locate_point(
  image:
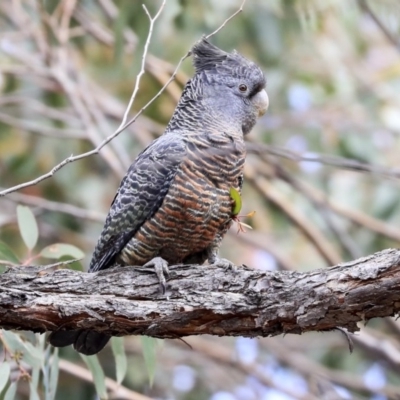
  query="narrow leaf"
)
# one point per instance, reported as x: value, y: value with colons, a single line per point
x: 4, y: 374
x: 117, y: 345
x: 33, y: 394
x: 237, y: 201
x: 7, y: 254
x: 59, y: 250
x: 32, y: 355
x: 98, y: 375
x: 27, y: 226
x: 12, y: 341
x: 11, y: 392
x: 35, y: 377
x: 149, y: 354
x: 51, y: 390
x: 40, y: 340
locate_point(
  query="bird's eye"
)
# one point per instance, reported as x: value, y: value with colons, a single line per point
x: 242, y: 87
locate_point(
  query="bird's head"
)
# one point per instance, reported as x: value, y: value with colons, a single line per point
x: 230, y: 84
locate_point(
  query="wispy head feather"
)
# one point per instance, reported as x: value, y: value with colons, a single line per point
x: 207, y: 57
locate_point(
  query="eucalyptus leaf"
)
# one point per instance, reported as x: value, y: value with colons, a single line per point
x: 59, y: 250
x: 35, y: 373
x: 98, y: 375
x: 237, y: 201
x: 121, y: 364
x: 40, y: 340
x: 7, y: 254
x: 12, y: 341
x: 27, y: 226
x: 4, y: 374
x: 33, y: 394
x: 11, y: 392
x: 54, y: 370
x: 32, y: 355
x: 149, y: 353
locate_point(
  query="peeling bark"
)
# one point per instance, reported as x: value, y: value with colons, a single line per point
x: 202, y: 299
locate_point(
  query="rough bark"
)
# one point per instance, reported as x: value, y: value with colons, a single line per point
x: 202, y: 299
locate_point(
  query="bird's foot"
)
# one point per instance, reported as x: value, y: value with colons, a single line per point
x: 224, y: 263
x: 161, y: 268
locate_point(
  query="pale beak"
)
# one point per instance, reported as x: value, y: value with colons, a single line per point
x: 261, y: 102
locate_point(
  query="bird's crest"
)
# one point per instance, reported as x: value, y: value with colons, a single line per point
x: 207, y: 57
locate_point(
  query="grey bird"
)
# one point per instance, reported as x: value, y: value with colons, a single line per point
x: 174, y: 204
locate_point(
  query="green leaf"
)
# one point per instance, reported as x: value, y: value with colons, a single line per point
x: 33, y: 394
x: 35, y: 377
x: 117, y: 345
x: 27, y: 226
x: 40, y: 340
x: 30, y: 354
x: 51, y: 390
x: 12, y: 341
x: 98, y: 375
x: 76, y: 266
x: 4, y: 374
x: 237, y: 201
x: 149, y: 354
x: 7, y: 254
x: 11, y: 392
x: 59, y: 250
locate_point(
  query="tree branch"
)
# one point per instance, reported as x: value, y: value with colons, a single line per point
x: 202, y: 299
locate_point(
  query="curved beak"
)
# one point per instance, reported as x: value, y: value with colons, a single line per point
x: 261, y: 102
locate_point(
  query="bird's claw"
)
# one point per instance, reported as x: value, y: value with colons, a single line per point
x: 225, y: 264
x: 161, y: 268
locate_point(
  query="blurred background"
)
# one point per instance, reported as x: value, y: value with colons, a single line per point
x: 322, y: 171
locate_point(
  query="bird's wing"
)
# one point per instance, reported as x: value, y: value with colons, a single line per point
x: 139, y: 196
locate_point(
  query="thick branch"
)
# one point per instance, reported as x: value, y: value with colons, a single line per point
x: 202, y: 299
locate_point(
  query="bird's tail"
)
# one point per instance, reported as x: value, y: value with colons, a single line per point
x: 84, y: 341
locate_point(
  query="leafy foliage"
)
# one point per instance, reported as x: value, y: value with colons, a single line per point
x: 149, y: 355
x: 121, y: 363
x: 98, y: 374
x: 36, y: 361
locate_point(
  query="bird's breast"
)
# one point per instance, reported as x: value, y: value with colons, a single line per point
x: 198, y: 206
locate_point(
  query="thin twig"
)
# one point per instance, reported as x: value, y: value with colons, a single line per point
x: 32, y: 104
x: 116, y: 389
x: 380, y: 345
x: 264, y: 243
x: 142, y: 67
x: 365, y: 6
x: 305, y: 365
x: 43, y: 130
x: 334, y: 161
x: 354, y: 216
x: 64, y: 208
x: 222, y: 354
x: 343, y: 237
x: 227, y: 20
x: 65, y: 20
x: 316, y: 237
